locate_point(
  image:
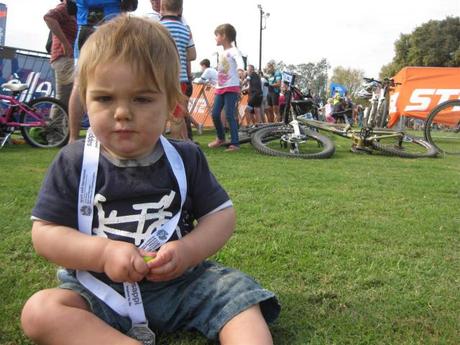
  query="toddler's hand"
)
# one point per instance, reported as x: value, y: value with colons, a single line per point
x: 170, y: 262
x: 123, y: 262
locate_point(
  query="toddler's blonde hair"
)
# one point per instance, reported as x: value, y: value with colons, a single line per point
x: 141, y: 43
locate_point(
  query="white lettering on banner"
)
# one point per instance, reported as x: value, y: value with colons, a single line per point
x: 45, y: 88
x: 421, y: 99
x: 158, y: 214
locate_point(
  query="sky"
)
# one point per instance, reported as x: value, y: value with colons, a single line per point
x: 358, y: 34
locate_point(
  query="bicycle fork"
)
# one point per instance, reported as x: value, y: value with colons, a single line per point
x: 296, y: 135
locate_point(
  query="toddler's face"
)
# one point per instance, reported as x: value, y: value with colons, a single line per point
x: 126, y: 114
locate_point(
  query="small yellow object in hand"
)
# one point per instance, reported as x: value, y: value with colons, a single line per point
x: 148, y: 258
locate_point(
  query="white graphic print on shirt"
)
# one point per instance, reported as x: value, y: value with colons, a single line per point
x: 158, y: 213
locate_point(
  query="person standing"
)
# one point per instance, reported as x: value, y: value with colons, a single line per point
x: 230, y: 67
x: 171, y: 18
x: 264, y: 106
x: 63, y: 27
x: 252, y: 111
x: 274, y: 89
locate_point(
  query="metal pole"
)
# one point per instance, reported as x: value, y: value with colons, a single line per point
x: 260, y: 39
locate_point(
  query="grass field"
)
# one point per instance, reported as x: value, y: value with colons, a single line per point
x: 359, y: 249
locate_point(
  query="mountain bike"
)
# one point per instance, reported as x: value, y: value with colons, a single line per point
x: 369, y: 140
x: 43, y: 122
x: 289, y: 139
x: 442, y: 127
x: 378, y: 94
x: 366, y: 140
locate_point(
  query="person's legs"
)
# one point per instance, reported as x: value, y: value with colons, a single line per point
x: 217, y: 120
x: 276, y: 113
x: 230, y: 99
x: 59, y: 316
x: 63, y: 69
x: 76, y: 112
x: 248, y: 327
x: 269, y: 109
x: 257, y: 115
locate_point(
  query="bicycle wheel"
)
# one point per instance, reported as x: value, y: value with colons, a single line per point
x: 404, y: 146
x: 244, y: 134
x: 51, y: 129
x: 281, y: 141
x: 442, y: 127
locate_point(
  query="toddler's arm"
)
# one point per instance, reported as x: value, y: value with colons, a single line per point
x: 175, y: 257
x: 70, y: 248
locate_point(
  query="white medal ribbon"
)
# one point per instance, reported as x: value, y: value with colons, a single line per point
x: 131, y: 305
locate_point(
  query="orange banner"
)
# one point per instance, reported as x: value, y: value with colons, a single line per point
x: 202, y: 100
x: 421, y: 89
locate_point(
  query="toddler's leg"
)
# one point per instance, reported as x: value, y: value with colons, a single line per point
x: 246, y: 328
x: 58, y: 316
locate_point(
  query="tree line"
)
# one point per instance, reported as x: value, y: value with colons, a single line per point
x: 434, y: 44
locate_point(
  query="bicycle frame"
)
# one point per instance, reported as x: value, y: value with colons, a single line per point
x: 360, y: 138
x: 376, y: 113
x: 15, y: 106
x: 8, y: 120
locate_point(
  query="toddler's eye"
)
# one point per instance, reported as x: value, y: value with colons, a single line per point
x: 142, y: 99
x: 103, y: 99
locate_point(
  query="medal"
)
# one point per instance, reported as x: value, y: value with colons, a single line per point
x: 142, y: 333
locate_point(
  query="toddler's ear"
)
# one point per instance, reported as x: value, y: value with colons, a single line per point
x: 179, y: 110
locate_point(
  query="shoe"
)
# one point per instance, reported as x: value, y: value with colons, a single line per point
x: 216, y: 143
x: 200, y: 129
x: 232, y: 148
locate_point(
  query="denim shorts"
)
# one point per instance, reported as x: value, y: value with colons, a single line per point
x: 204, y: 298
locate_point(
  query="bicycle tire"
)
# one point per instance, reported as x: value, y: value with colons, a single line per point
x: 244, y: 134
x: 406, y: 147
x: 317, y: 146
x: 56, y: 131
x: 445, y: 137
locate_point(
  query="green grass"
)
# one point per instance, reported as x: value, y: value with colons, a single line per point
x: 359, y: 249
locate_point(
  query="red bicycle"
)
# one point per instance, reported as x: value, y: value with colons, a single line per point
x: 43, y: 121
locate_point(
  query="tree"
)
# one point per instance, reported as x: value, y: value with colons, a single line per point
x: 309, y: 76
x: 349, y: 77
x: 435, y: 43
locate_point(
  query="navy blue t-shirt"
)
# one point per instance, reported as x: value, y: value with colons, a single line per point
x: 132, y: 197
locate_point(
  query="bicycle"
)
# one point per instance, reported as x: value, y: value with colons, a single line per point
x: 288, y: 139
x: 442, y: 127
x: 365, y: 140
x: 378, y: 94
x: 43, y: 122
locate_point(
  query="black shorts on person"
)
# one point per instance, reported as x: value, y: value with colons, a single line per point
x: 255, y: 100
x: 273, y: 99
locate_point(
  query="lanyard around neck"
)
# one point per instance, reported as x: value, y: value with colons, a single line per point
x: 131, y: 305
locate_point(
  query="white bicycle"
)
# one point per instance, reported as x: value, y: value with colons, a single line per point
x: 378, y: 93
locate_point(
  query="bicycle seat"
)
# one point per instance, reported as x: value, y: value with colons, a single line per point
x: 15, y: 86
